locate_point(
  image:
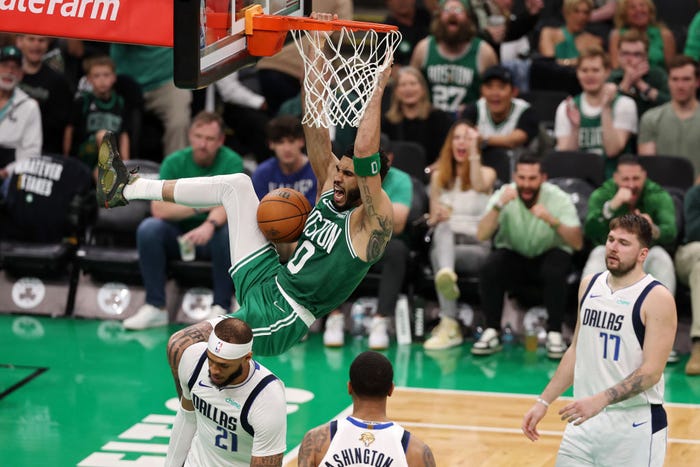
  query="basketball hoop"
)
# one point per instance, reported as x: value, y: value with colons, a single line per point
x: 341, y: 70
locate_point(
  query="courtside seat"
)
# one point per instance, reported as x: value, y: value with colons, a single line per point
x: 575, y: 164
x: 192, y: 295
x: 110, y: 283
x: 49, y: 201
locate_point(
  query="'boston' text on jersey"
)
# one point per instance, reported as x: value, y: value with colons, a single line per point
x: 322, y: 232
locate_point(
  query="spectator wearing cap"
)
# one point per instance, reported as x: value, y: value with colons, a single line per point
x: 20, y: 118
x: 50, y: 88
x: 503, y: 120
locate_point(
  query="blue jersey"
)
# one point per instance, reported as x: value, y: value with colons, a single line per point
x: 268, y: 177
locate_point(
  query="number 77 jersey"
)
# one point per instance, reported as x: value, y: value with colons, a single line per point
x: 611, y: 338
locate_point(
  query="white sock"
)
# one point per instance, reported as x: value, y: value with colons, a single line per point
x: 143, y: 188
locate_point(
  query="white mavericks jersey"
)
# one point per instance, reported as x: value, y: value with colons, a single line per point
x: 358, y: 443
x: 487, y: 127
x: 610, y: 339
x: 233, y: 422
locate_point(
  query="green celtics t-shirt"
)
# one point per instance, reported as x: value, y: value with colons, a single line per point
x: 180, y: 164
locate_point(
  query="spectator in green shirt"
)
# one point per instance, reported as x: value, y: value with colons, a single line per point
x: 535, y: 230
x: 204, y: 228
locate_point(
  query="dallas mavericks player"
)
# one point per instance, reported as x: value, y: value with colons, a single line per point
x: 367, y: 437
x: 230, y: 406
x: 624, y: 334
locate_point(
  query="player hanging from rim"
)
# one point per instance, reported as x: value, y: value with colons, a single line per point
x: 345, y: 234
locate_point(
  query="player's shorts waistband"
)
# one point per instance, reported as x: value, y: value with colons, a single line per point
x: 306, y: 316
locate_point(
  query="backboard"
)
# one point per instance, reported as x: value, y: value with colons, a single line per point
x: 209, y: 39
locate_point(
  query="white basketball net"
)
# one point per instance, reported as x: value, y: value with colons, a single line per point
x: 339, y: 84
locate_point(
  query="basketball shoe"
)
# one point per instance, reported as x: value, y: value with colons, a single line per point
x: 112, y: 174
x: 445, y: 335
x: 334, y: 335
x: 378, y: 334
x: 148, y: 316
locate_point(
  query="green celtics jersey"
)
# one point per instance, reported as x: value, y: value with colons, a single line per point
x: 452, y: 82
x: 325, y: 269
x: 590, y: 137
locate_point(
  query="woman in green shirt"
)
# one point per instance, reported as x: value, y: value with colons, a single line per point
x: 641, y: 15
x: 564, y: 43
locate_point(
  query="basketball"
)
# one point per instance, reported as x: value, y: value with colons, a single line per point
x: 282, y: 214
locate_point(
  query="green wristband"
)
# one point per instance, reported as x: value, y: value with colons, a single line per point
x: 367, y: 166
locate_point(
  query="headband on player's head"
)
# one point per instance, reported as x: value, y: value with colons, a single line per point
x: 226, y: 350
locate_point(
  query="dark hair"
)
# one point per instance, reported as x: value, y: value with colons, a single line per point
x: 529, y: 158
x: 635, y: 224
x: 629, y: 159
x: 383, y: 158
x: 679, y: 61
x: 233, y: 331
x: 284, y: 126
x: 371, y: 375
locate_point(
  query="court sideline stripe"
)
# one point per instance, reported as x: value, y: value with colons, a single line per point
x: 23, y: 381
x: 513, y: 394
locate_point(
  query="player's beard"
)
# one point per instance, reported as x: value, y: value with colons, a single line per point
x: 529, y: 202
x: 231, y: 378
x: 352, y: 199
x: 621, y: 269
x: 462, y: 35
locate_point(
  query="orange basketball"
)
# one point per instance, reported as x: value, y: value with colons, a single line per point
x: 282, y: 214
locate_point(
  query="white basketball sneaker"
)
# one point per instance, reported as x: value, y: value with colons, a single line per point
x: 378, y: 335
x: 148, y: 316
x: 334, y: 335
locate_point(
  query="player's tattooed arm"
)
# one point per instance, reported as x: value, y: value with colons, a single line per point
x: 631, y: 386
x: 313, y: 447
x: 379, y: 224
x: 179, y: 341
x: 379, y: 238
x: 428, y: 459
x: 182, y: 339
x: 267, y: 461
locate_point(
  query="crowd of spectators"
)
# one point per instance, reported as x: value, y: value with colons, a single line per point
x: 632, y: 82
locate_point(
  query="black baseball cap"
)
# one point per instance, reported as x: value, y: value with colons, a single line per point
x: 10, y: 52
x: 497, y: 72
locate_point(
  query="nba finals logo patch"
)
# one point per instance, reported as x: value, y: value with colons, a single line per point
x: 367, y: 438
x: 218, y: 347
x: 28, y: 292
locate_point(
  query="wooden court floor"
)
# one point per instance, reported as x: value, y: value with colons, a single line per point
x: 470, y: 428
x: 88, y: 393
